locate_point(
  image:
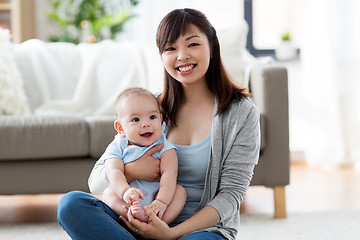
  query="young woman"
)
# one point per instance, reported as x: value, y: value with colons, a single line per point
x: 215, y: 128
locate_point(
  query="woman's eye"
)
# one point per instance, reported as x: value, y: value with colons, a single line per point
x: 152, y: 117
x: 169, y: 49
x: 135, y: 119
x: 194, y: 44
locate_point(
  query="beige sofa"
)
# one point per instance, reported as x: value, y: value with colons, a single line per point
x: 54, y: 153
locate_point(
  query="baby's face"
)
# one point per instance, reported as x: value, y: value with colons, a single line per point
x: 141, y: 119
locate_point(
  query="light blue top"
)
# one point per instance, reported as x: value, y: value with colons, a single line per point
x: 120, y: 148
x: 193, y: 162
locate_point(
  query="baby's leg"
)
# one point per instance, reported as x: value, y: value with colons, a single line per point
x: 176, y: 205
x: 138, y: 212
x: 114, y: 202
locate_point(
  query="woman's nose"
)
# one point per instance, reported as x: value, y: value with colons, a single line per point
x: 183, y: 55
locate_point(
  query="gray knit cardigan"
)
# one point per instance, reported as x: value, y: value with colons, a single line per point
x: 235, y: 146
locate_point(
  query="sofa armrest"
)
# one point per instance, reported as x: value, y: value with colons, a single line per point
x: 269, y: 88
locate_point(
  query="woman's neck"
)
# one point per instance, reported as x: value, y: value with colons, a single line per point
x: 196, y: 93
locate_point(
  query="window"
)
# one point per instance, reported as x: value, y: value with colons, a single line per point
x: 268, y: 20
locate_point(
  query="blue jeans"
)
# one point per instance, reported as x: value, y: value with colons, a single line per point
x: 86, y: 217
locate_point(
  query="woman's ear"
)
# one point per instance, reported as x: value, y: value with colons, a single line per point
x: 118, y: 127
x: 161, y: 117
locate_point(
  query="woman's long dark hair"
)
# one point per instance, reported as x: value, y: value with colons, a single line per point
x: 175, y: 24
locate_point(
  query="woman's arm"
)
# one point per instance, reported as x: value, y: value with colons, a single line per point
x: 146, y: 167
x: 206, y: 217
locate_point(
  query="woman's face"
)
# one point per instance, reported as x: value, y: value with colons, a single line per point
x: 188, y: 58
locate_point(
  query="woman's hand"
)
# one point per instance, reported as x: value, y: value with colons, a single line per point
x: 146, y: 167
x: 154, y: 229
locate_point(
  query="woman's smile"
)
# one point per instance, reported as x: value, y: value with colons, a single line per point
x: 186, y: 69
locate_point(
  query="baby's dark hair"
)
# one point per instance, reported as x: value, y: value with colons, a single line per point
x: 137, y: 91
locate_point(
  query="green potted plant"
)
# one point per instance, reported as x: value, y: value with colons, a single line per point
x: 286, y: 36
x: 285, y: 50
x: 88, y: 20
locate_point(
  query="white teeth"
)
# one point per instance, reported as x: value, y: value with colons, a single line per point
x: 185, y: 69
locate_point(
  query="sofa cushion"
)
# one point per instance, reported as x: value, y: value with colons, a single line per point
x: 36, y: 137
x: 102, y: 132
x: 44, y: 176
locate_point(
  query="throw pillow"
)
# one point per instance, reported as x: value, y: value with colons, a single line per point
x: 12, y: 96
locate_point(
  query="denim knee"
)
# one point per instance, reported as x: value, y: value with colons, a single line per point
x: 69, y: 204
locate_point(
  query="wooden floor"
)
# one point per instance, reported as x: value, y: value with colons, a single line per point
x: 311, y: 189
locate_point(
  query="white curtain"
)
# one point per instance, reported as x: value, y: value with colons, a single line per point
x: 330, y: 61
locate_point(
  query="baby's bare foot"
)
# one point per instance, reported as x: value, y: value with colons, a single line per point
x: 138, y: 212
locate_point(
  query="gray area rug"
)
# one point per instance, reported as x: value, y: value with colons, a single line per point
x: 337, y: 225
x: 43, y: 231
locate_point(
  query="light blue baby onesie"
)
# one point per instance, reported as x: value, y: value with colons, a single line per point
x: 129, y: 153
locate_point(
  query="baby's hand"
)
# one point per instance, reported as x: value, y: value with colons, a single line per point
x: 158, y: 207
x: 132, y: 194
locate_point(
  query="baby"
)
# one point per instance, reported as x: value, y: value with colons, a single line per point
x: 138, y: 122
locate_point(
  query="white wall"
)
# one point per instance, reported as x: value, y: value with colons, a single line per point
x: 43, y: 26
